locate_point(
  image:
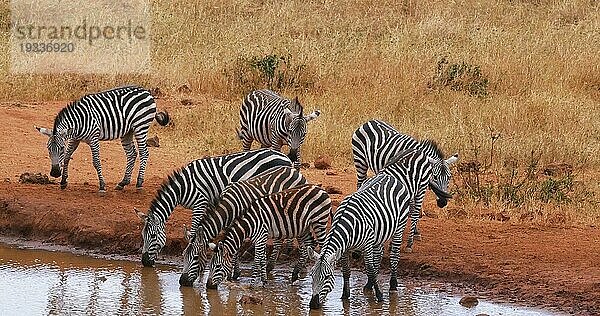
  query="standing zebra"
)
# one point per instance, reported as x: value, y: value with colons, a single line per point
x: 293, y: 213
x: 365, y: 220
x: 195, y: 186
x: 274, y: 121
x: 376, y: 142
x: 233, y: 202
x: 124, y: 113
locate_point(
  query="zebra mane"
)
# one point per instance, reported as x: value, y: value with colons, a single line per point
x: 168, y: 183
x: 62, y: 114
x: 428, y: 143
x: 400, y: 156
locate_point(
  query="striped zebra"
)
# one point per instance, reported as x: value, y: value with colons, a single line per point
x: 195, y: 186
x: 365, y: 220
x: 274, y: 121
x: 376, y: 142
x: 294, y: 213
x: 233, y: 202
x: 124, y: 113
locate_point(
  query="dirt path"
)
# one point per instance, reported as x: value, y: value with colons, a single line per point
x: 557, y: 268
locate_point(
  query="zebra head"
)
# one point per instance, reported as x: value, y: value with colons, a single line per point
x: 440, y: 178
x: 194, y: 256
x: 322, y: 279
x: 221, y: 265
x: 296, y: 127
x: 153, y: 237
x: 56, y: 148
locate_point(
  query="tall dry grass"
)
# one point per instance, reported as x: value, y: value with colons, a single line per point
x: 376, y: 59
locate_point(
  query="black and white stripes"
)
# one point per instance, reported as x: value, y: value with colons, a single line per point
x: 198, y: 184
x: 274, y: 121
x: 233, y: 202
x: 294, y: 213
x: 124, y: 113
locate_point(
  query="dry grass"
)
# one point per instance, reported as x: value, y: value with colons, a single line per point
x: 376, y: 59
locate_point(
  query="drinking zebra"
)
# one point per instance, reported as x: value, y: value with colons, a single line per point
x: 293, y: 213
x: 274, y: 121
x: 233, y: 202
x: 124, y: 113
x: 365, y: 220
x: 376, y: 142
x: 195, y: 186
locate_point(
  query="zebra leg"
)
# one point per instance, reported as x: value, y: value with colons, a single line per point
x: 274, y: 255
x: 260, y: 262
x: 413, y: 227
x: 377, y: 256
x: 361, y: 170
x: 236, y: 267
x: 372, y: 266
x: 95, y: 148
x: 301, y: 261
x: 394, y: 260
x: 346, y: 275
x: 73, y: 144
x: 127, y: 142
x: 140, y: 137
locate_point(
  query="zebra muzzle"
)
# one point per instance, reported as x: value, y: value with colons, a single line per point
x: 146, y: 261
x: 210, y: 285
x: 55, y: 171
x: 314, y: 302
x: 184, y: 280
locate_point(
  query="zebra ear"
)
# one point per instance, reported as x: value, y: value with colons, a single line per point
x: 212, y: 246
x: 312, y: 116
x: 141, y: 215
x: 452, y: 159
x: 44, y: 131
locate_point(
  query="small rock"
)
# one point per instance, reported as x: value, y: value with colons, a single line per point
x: 153, y: 142
x: 331, y: 173
x: 247, y: 299
x: 332, y: 190
x: 323, y: 162
x: 34, y: 178
x: 7, y: 180
x: 469, y: 301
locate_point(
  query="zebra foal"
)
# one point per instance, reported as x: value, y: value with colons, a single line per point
x: 124, y: 113
x: 233, y: 202
x: 195, y: 185
x: 294, y: 213
x: 274, y: 121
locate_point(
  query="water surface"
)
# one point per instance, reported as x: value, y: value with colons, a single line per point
x: 36, y: 282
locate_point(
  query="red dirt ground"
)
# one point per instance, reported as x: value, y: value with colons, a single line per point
x: 556, y: 268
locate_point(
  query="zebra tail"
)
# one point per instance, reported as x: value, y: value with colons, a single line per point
x: 239, y: 133
x: 162, y: 118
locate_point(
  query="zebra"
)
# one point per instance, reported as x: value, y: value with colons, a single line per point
x: 233, y: 202
x: 124, y: 113
x: 376, y: 142
x: 293, y: 213
x: 274, y: 121
x: 365, y: 220
x: 196, y: 185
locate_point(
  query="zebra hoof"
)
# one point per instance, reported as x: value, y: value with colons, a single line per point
x: 393, y: 285
x: 119, y: 187
x: 418, y: 237
x: 139, y: 189
x: 63, y: 185
x: 408, y: 249
x: 102, y: 192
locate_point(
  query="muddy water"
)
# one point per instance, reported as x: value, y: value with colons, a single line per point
x: 34, y: 282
